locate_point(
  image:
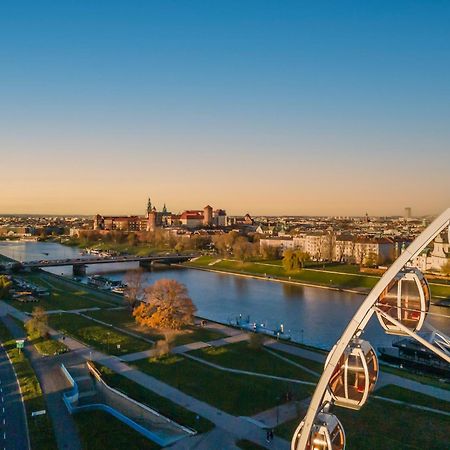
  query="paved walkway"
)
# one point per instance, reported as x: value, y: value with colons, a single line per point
x: 216, y: 439
x: 383, y: 379
x: 300, y: 366
x: 226, y: 330
x: 246, y: 372
x: 282, y: 413
x: 74, y: 311
x: 410, y: 405
x: 181, y: 349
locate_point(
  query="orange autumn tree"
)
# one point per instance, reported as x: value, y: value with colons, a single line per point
x: 167, y: 306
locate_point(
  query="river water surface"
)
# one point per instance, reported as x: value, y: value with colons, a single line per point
x: 311, y: 315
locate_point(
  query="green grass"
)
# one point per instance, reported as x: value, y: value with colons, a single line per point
x: 348, y: 278
x: 63, y: 295
x: 233, y: 393
x: 98, y: 336
x: 49, y: 347
x: 244, y: 444
x: 310, y: 364
x: 423, y: 379
x: 122, y: 318
x: 241, y: 356
x: 99, y: 430
x: 381, y: 425
x: 40, y: 427
x: 416, y: 398
x: 196, y: 334
x: 161, y: 404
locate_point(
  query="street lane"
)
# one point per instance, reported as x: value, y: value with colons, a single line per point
x: 13, y: 434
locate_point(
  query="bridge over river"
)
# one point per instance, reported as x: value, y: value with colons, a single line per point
x: 79, y: 264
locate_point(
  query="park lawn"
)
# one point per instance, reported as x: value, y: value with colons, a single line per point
x: 100, y: 337
x: 241, y: 356
x: 163, y: 405
x: 308, y: 363
x: 318, y: 277
x: 348, y: 278
x: 234, y: 393
x: 440, y: 291
x: 62, y: 296
x: 122, y: 318
x: 416, y: 398
x: 40, y: 427
x: 245, y: 444
x: 420, y: 378
x: 99, y: 430
x: 383, y: 425
x: 197, y: 334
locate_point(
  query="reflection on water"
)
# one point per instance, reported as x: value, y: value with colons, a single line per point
x: 316, y: 316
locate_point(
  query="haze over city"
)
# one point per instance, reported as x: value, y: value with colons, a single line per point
x: 320, y: 108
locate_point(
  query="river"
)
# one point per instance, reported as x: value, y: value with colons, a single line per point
x: 311, y: 315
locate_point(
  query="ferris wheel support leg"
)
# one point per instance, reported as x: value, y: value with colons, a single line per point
x: 360, y: 320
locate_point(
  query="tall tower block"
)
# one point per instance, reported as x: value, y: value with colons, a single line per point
x: 207, y: 215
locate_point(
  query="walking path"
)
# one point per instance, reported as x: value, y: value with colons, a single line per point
x: 73, y: 311
x: 246, y: 372
x: 304, y: 368
x: 182, y: 349
x: 383, y: 379
x: 410, y: 405
x: 282, y: 413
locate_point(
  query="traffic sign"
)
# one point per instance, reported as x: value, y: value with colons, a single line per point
x: 20, y: 343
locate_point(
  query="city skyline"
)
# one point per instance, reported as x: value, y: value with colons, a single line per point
x: 301, y: 108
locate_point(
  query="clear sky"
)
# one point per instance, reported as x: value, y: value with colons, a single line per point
x: 296, y: 107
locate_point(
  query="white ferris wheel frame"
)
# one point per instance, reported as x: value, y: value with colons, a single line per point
x: 360, y: 320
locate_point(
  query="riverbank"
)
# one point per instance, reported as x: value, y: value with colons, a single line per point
x: 355, y: 283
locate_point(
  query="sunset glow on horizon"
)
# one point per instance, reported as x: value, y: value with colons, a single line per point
x: 297, y: 108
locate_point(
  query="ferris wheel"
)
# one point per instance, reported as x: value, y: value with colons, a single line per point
x: 400, y: 300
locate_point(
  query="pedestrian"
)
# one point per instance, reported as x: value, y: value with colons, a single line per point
x: 271, y: 435
x: 268, y: 436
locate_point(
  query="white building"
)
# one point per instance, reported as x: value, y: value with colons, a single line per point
x: 435, y: 259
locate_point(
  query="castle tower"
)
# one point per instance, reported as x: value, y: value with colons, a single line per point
x: 207, y: 215
x: 98, y: 222
x: 151, y: 226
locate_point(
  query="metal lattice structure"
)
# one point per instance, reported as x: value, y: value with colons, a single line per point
x: 346, y: 379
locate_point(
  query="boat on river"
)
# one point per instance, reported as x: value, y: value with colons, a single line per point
x: 409, y: 353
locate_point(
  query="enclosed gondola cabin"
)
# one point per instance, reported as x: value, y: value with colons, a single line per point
x: 326, y: 434
x: 407, y: 300
x: 355, y: 375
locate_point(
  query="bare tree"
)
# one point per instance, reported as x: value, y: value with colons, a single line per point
x: 134, y: 292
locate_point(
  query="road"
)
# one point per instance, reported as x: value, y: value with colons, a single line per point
x: 53, y: 384
x: 13, y: 425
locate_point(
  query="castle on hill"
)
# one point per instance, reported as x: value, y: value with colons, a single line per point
x: 191, y: 219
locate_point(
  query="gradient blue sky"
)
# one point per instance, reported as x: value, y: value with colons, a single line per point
x: 305, y: 107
